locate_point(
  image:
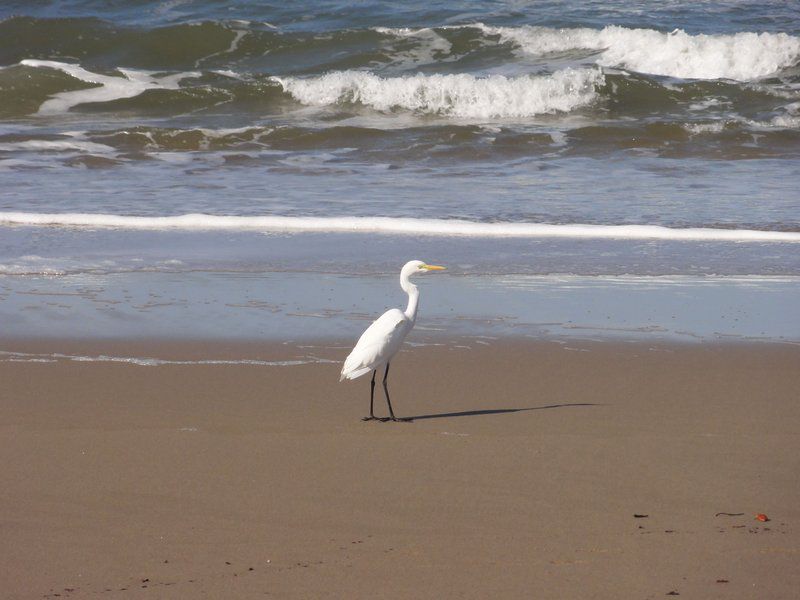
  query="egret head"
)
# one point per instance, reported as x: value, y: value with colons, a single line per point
x: 415, y: 267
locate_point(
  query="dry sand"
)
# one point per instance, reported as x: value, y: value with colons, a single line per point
x: 520, y: 477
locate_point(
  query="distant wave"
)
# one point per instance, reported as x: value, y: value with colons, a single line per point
x: 254, y: 47
x: 459, y: 95
x: 388, y: 225
x: 741, y: 56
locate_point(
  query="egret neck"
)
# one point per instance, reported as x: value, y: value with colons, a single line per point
x: 413, y: 295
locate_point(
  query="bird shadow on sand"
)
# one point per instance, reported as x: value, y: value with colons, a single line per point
x: 496, y: 411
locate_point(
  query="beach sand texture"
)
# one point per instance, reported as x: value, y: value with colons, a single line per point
x: 521, y: 476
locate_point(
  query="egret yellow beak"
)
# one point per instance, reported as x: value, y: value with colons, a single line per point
x: 433, y: 268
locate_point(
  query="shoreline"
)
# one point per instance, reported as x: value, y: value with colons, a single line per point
x: 329, y: 350
x: 520, y: 475
x: 299, y: 307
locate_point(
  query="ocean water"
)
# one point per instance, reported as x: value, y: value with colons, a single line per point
x: 532, y: 139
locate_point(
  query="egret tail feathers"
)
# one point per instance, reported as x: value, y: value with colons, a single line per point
x: 353, y: 374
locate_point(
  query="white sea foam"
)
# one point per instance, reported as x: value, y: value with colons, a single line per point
x: 238, y: 34
x: 9, y: 356
x: 12, y: 164
x: 32, y: 264
x: 388, y: 225
x: 698, y: 128
x: 784, y: 122
x: 461, y: 95
x: 56, y: 146
x: 742, y: 56
x: 131, y: 84
x: 429, y: 46
x: 788, y: 119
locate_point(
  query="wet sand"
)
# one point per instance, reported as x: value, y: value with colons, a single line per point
x: 520, y: 477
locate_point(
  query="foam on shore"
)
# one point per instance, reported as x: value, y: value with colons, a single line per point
x: 9, y: 356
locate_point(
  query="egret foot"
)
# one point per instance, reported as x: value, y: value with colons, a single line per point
x: 370, y: 418
x: 402, y: 419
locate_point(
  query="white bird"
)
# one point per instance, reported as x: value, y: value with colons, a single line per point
x: 381, y: 341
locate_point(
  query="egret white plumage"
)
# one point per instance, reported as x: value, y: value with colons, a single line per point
x: 380, y: 342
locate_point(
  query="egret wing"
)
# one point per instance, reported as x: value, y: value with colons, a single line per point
x: 376, y: 345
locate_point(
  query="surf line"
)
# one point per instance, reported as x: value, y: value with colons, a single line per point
x: 391, y: 225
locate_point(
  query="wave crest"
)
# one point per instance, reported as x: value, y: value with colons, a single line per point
x: 458, y: 95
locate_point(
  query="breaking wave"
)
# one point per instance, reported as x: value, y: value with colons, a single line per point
x: 453, y: 95
x: 741, y: 56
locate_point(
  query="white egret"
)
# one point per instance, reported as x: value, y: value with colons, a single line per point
x: 381, y: 341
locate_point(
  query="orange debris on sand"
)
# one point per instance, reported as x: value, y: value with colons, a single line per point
x: 762, y: 517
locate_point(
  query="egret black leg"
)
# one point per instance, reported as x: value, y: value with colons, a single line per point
x: 386, y: 391
x: 371, y: 416
x: 389, y: 402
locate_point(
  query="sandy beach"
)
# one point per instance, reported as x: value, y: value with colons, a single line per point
x: 521, y: 476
